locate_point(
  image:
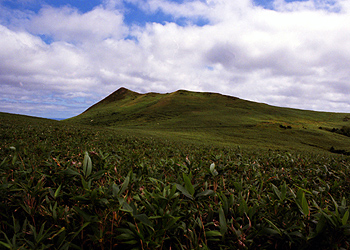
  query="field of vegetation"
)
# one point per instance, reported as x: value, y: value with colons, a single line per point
x: 71, y: 186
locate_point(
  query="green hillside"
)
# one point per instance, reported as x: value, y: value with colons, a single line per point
x: 218, y: 119
x: 158, y: 176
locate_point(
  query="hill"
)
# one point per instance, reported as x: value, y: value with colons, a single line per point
x: 65, y: 185
x: 219, y: 119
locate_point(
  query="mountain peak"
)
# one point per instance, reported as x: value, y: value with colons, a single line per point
x: 117, y: 95
x: 122, y: 90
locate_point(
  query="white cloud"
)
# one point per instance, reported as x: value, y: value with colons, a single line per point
x: 69, y: 25
x: 296, y: 55
x: 186, y: 9
x: 328, y: 5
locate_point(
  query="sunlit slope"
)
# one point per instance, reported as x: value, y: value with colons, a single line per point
x: 218, y: 119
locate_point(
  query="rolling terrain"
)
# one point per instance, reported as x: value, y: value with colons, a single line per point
x: 217, y: 119
x: 163, y: 171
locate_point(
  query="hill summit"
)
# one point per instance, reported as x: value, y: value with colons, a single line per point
x: 203, y: 116
x: 117, y: 95
x: 128, y: 107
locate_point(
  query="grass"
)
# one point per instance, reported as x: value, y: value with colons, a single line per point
x: 219, y: 120
x: 65, y: 186
x: 152, y: 177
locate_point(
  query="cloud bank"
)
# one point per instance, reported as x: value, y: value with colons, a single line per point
x: 58, y: 61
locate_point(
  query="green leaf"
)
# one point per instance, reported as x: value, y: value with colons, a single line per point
x: 271, y: 231
x: 277, y: 192
x: 320, y: 224
x: 345, y: 218
x: 172, y: 191
x: 87, y: 164
x: 86, y: 184
x: 59, y: 231
x: 213, y: 170
x: 300, y: 189
x: 70, y: 171
x: 336, y: 206
x: 297, y: 234
x: 275, y: 228
x: 224, y: 202
x: 231, y: 200
x: 41, y: 232
x: 5, y: 245
x: 14, y: 159
x: 222, y: 220
x: 81, y: 199
x: 188, y: 185
x: 283, y: 191
x: 243, y: 206
x: 171, y: 223
x: 144, y: 219
x: 3, y: 162
x: 131, y: 242
x: 126, y: 230
x: 184, y: 191
x: 125, y: 185
x: 213, y: 233
x: 155, y: 181
x: 127, y: 207
x: 207, y: 192
x: 7, y: 239
x: 125, y: 236
x: 305, y: 205
x: 57, y: 191
x: 80, y: 229
x: 212, y: 167
x: 16, y: 225
x: 343, y: 202
x: 98, y: 174
x: 115, y: 190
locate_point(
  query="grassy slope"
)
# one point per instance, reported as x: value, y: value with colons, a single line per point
x: 240, y: 200
x: 216, y: 119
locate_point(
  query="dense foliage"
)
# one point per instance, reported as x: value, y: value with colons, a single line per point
x: 343, y: 131
x: 74, y: 187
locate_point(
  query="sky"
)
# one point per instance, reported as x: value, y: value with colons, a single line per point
x: 59, y: 57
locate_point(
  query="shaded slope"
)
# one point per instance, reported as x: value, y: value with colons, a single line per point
x: 216, y: 118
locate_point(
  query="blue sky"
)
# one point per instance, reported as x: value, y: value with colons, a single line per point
x: 59, y: 57
x: 133, y: 13
x: 85, y: 6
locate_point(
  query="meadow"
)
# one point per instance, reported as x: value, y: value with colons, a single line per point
x: 70, y: 186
